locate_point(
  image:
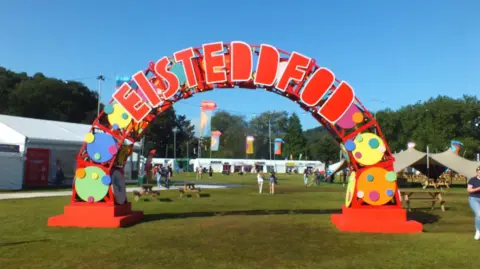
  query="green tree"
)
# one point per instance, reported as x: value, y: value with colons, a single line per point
x: 259, y: 126
x: 295, y: 141
x: 234, y: 130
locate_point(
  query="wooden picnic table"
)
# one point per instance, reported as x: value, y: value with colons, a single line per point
x: 433, y: 196
x: 189, y: 188
x: 147, y: 190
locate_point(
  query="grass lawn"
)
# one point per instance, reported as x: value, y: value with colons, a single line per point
x: 236, y: 228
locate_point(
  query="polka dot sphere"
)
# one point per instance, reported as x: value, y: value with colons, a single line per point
x: 117, y: 116
x: 88, y: 186
x: 350, y: 189
x: 367, y: 149
x: 100, y: 149
x: 375, y: 187
x: 352, y: 116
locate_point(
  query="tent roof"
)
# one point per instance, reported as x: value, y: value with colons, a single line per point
x: 437, y: 163
x: 47, y: 131
x: 408, y: 158
x: 456, y: 163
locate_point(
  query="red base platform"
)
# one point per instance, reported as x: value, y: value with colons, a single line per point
x: 375, y: 220
x: 99, y: 215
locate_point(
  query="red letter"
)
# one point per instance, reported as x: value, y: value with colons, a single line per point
x: 242, y: 61
x: 267, y: 65
x: 162, y: 73
x: 131, y: 102
x: 147, y: 88
x: 292, y: 72
x: 212, y: 62
x: 185, y: 57
x: 317, y: 86
x: 338, y: 103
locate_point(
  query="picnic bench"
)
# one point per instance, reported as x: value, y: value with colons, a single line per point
x: 433, y: 196
x: 147, y: 190
x: 189, y: 188
x: 441, y: 182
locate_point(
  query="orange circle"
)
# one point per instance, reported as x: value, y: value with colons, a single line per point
x: 357, y: 117
x: 375, y: 186
x: 80, y: 173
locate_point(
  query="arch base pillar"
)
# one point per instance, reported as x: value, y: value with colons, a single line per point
x: 386, y: 219
x: 98, y: 215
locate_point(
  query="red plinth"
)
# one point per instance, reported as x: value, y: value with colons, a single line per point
x: 375, y: 220
x: 98, y: 215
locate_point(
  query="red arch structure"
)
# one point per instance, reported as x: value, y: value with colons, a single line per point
x: 98, y: 198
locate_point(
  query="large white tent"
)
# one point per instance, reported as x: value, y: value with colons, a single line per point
x: 62, y: 141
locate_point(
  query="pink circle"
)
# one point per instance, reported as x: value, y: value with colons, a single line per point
x: 374, y: 196
x: 90, y: 199
x: 112, y: 149
x: 346, y: 121
x: 358, y: 155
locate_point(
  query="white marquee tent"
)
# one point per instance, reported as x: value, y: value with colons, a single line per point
x: 62, y: 139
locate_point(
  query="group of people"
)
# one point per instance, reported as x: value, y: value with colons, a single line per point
x: 201, y: 171
x: 160, y: 171
x: 272, y: 182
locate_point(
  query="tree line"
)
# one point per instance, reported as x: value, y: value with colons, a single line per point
x: 434, y: 122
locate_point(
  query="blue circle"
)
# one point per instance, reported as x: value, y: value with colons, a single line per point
x: 124, y: 116
x: 350, y: 145
x: 374, y: 143
x: 101, y: 145
x: 106, y: 180
x: 389, y: 192
x: 115, y: 126
x: 108, y: 109
x: 370, y: 177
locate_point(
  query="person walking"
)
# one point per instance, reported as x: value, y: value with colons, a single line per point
x: 210, y: 172
x: 260, y: 182
x: 159, y: 175
x: 199, y: 173
x: 473, y: 188
x: 273, y: 181
x: 305, y: 177
x: 169, y: 176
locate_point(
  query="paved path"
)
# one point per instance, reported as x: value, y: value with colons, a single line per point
x: 23, y: 195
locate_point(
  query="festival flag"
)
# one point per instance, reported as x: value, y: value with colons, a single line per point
x: 455, y: 146
x: 249, y: 146
x: 215, y: 140
x: 206, y: 111
x: 300, y: 156
x: 278, y: 146
x: 119, y: 80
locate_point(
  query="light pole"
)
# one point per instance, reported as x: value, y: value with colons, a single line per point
x: 270, y: 136
x: 175, y: 130
x: 100, y: 78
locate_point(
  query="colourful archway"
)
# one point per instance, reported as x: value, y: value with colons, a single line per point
x: 98, y: 199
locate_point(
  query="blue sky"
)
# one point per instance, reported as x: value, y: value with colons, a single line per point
x: 393, y: 53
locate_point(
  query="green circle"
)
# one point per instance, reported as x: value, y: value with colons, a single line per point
x: 359, y: 138
x: 97, y: 156
x: 391, y: 176
x: 88, y: 186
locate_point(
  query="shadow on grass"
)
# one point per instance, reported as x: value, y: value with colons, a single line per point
x: 23, y: 242
x: 422, y: 217
x: 155, y: 217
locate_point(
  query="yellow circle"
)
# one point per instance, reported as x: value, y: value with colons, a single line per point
x: 116, y: 117
x: 94, y: 175
x: 364, y: 153
x: 80, y: 173
x: 89, y: 138
x: 376, y: 188
x: 350, y: 189
x: 357, y: 117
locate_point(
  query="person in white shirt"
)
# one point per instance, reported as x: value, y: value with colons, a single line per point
x: 260, y: 182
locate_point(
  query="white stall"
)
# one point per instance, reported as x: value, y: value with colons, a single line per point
x: 42, y: 144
